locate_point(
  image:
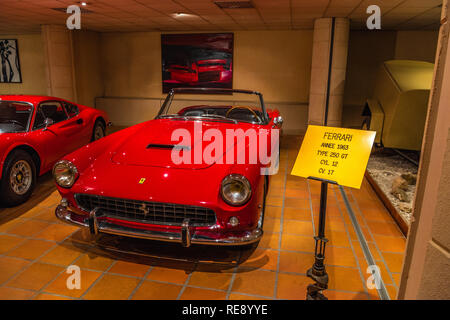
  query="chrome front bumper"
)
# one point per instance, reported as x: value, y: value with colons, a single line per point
x: 186, y: 237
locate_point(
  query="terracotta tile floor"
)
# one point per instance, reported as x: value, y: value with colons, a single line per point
x: 36, y: 249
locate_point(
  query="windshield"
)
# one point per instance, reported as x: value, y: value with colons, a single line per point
x: 14, y: 116
x: 242, y: 106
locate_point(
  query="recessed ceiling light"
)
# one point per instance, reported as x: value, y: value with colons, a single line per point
x: 83, y: 3
x: 182, y: 15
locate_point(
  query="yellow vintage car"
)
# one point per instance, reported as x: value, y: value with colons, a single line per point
x: 398, y: 108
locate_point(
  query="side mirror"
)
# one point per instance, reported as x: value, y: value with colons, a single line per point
x: 47, y: 123
x: 278, y: 121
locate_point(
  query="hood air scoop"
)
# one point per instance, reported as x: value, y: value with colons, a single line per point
x: 167, y: 146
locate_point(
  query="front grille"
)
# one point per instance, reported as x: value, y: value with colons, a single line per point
x: 209, y: 76
x: 148, y: 212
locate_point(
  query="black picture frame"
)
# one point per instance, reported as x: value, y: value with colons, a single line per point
x: 10, y: 69
x: 197, y: 60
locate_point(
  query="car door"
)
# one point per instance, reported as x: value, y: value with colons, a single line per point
x: 56, y: 129
x: 82, y: 133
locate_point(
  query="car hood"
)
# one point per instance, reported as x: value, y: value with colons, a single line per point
x: 153, y: 144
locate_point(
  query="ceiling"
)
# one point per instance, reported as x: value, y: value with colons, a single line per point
x: 21, y: 16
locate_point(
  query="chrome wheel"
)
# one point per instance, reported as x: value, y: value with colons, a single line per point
x: 99, y: 132
x: 21, y: 177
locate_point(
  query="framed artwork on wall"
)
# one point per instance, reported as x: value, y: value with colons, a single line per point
x: 9, y: 60
x: 200, y: 60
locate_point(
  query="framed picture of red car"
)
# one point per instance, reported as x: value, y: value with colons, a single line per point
x: 200, y: 60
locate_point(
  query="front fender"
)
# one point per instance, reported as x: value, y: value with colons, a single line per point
x: 86, y: 156
x: 7, y: 146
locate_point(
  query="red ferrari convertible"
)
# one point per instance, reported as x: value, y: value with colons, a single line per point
x: 36, y: 131
x: 195, y: 174
x: 202, y: 71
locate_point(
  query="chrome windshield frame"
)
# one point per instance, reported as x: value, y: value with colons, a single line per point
x: 166, y: 104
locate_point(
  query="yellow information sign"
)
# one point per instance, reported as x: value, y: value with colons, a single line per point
x: 334, y: 154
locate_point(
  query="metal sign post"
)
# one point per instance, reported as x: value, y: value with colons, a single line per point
x: 330, y: 155
x: 318, y: 272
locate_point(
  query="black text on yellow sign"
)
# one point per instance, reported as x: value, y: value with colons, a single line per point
x: 334, y: 154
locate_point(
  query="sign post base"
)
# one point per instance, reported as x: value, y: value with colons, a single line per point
x: 318, y: 273
x: 315, y: 291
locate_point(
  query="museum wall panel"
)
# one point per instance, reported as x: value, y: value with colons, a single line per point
x: 322, y: 76
x: 58, y: 54
x: 32, y: 63
x: 87, y: 61
x: 128, y: 65
x: 276, y: 63
x: 416, y: 45
x: 427, y: 251
x: 366, y: 52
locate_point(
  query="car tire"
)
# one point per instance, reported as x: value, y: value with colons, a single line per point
x: 99, y: 130
x: 18, y: 178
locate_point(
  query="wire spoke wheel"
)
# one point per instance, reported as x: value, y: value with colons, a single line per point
x: 99, y: 132
x: 21, y: 177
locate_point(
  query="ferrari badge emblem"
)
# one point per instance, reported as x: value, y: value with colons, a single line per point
x: 144, y: 209
x: 142, y: 181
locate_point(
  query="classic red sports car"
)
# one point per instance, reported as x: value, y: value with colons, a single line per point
x: 176, y: 178
x: 202, y: 71
x: 36, y: 131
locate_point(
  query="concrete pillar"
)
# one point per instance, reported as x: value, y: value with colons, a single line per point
x: 427, y: 261
x: 58, y: 51
x: 320, y: 71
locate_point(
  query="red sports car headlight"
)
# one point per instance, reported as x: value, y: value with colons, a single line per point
x: 235, y: 190
x: 65, y: 173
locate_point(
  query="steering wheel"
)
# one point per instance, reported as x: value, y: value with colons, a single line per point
x: 242, y: 107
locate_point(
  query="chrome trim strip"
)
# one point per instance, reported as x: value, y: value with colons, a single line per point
x: 382, y: 291
x: 68, y: 216
x: 169, y: 98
